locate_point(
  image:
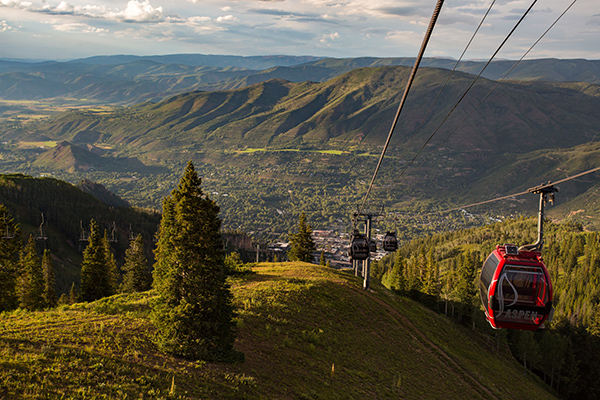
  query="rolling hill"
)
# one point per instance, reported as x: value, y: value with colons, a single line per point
x: 306, y: 331
x: 356, y: 107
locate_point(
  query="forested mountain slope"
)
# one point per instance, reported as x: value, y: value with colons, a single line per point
x: 444, y: 268
x: 65, y: 211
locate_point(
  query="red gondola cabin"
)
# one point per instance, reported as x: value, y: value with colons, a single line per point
x: 515, y: 289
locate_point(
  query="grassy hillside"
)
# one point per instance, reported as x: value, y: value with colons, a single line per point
x: 354, y: 108
x: 307, y: 333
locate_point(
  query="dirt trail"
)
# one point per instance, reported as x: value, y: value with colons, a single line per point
x: 403, y: 321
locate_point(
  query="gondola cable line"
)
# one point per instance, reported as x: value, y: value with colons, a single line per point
x: 409, y: 84
x: 407, y: 146
x: 509, y: 71
x: 531, y: 190
x: 467, y: 90
x: 487, y: 95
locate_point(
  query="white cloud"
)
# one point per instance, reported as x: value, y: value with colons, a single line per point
x: 78, y: 28
x: 198, y: 20
x: 329, y: 37
x: 25, y: 5
x: 227, y: 18
x: 5, y: 27
x: 140, y: 12
x: 207, y: 29
x: 135, y: 11
x: 64, y: 7
x: 153, y: 33
x: 226, y: 8
x: 400, y: 36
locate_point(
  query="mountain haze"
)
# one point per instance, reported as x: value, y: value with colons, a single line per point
x: 130, y: 79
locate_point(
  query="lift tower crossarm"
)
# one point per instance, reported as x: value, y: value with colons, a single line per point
x: 546, y: 193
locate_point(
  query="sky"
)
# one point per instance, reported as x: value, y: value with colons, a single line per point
x: 71, y: 29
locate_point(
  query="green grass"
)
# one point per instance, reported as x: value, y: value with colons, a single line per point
x: 251, y: 151
x: 32, y: 145
x: 307, y: 332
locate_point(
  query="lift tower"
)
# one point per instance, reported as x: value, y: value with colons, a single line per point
x: 366, y: 216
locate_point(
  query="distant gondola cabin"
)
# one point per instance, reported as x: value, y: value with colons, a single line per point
x: 359, y: 247
x: 390, y: 242
x: 515, y: 289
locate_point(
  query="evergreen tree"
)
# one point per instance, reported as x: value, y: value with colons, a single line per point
x: 73, y: 294
x: 111, y: 266
x: 301, y: 243
x: 31, y: 279
x: 399, y: 279
x: 137, y: 277
x: 234, y: 262
x: 430, y: 282
x: 465, y: 287
x: 10, y: 245
x: 193, y: 312
x: 49, y: 282
x: 95, y: 279
x: 322, y: 259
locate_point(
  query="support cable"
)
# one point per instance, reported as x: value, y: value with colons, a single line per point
x: 411, y: 78
x: 510, y: 70
x: 447, y: 79
x: 469, y: 88
x: 550, y: 184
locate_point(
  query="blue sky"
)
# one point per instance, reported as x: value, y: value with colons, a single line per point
x: 51, y: 29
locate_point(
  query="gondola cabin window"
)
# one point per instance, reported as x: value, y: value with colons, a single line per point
x: 487, y: 275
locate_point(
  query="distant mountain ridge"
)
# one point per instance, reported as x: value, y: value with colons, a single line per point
x: 208, y: 60
x: 127, y: 79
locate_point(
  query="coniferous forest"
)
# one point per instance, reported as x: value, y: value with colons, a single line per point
x: 442, y: 271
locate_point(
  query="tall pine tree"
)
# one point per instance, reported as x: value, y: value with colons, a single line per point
x: 137, y: 276
x: 49, y: 282
x: 10, y: 245
x: 95, y: 278
x: 31, y: 279
x: 302, y: 244
x: 111, y: 266
x: 193, y: 312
